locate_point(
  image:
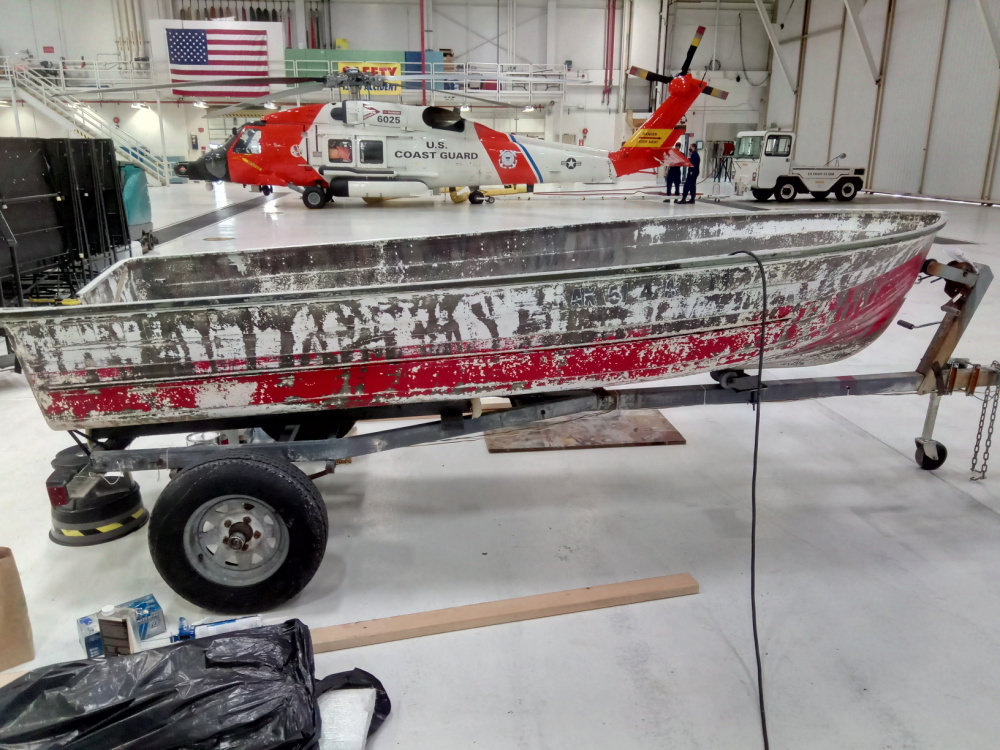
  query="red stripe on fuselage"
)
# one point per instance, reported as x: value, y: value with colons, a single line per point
x: 511, y: 164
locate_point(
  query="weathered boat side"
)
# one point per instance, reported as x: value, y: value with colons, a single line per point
x: 328, y: 327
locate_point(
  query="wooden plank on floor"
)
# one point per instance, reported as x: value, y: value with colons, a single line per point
x: 8, y: 677
x: 616, y: 429
x: 367, y: 633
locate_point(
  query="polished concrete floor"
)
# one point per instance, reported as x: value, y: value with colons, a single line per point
x: 878, y: 586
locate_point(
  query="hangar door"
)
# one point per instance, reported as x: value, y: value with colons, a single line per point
x: 936, y: 133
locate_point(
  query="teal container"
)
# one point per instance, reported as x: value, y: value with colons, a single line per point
x: 135, y: 196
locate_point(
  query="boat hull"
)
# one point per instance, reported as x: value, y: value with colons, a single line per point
x: 107, y: 365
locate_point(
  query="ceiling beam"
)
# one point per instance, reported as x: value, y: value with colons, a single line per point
x: 769, y: 29
x: 991, y: 27
x: 854, y: 16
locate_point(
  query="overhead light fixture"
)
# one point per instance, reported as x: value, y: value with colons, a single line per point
x: 464, y: 108
x: 201, y: 105
x: 140, y: 105
x: 529, y: 108
x: 270, y: 105
x: 4, y: 103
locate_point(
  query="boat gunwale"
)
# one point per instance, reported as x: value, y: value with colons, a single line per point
x: 598, y: 275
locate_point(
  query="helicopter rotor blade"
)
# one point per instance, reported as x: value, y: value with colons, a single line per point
x: 255, y: 81
x: 717, y: 93
x: 691, y: 50
x: 649, y: 75
x: 296, y: 91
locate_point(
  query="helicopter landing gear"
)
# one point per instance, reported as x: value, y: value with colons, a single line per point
x: 314, y: 197
x: 476, y: 197
x: 266, y: 190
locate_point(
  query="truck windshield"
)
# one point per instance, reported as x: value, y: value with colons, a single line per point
x: 748, y: 146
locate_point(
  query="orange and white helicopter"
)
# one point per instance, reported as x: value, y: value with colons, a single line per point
x: 377, y: 150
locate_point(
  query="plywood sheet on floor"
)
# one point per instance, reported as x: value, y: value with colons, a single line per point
x: 616, y: 429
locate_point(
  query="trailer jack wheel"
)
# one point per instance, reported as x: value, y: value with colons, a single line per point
x: 725, y: 378
x: 239, y: 534
x: 930, y: 454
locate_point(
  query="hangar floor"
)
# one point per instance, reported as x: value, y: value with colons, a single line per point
x: 877, y: 597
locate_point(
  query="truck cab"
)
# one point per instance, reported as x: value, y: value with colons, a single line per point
x: 763, y: 166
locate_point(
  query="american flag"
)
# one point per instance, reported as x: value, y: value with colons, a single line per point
x: 204, y: 54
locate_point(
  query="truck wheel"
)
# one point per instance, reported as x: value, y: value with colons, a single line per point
x: 760, y: 195
x: 785, y: 192
x: 314, y: 197
x: 819, y: 195
x: 239, y: 534
x: 846, y: 190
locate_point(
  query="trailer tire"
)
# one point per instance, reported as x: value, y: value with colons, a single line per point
x: 785, y: 191
x: 846, y: 189
x: 476, y: 197
x: 202, y: 514
x: 314, y: 197
x: 760, y: 194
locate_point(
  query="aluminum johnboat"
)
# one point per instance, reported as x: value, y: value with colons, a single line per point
x: 172, y: 338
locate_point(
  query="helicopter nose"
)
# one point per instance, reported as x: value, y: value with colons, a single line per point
x: 194, y: 170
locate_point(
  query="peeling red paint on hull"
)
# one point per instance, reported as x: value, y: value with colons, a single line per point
x: 106, y: 365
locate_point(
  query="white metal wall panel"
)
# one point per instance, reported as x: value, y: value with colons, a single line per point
x: 856, y: 90
x: 963, y: 110
x: 906, y: 101
x: 819, y: 78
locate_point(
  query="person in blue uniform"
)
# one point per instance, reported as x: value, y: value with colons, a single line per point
x: 673, y: 182
x: 691, y: 182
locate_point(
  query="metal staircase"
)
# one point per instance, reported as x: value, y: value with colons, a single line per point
x: 48, y: 97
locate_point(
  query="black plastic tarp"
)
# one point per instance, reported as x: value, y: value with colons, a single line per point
x: 252, y: 690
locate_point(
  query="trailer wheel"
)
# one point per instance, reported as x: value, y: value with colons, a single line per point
x: 785, y: 192
x: 926, y: 462
x: 820, y: 195
x: 239, y: 534
x: 761, y: 195
x: 846, y: 190
x: 314, y: 197
x: 476, y: 197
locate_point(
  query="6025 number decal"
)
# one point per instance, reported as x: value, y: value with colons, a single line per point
x: 389, y: 119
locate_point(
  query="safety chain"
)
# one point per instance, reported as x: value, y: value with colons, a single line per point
x: 991, y: 393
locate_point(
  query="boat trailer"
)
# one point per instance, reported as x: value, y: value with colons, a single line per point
x: 221, y: 546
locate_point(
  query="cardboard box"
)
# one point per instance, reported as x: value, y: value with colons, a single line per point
x: 149, y: 619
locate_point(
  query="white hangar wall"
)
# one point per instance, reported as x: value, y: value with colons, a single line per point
x: 924, y: 122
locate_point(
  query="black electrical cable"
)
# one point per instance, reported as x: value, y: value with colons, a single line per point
x: 753, y: 494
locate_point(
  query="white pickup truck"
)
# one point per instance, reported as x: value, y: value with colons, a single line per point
x: 763, y: 166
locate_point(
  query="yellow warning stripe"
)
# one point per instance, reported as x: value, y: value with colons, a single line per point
x: 649, y: 138
x: 102, y: 529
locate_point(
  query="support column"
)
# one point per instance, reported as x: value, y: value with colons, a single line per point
x: 299, y: 34
x: 163, y: 139
x: 551, y: 19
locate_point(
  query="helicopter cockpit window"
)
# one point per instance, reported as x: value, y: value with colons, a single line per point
x: 248, y: 142
x: 440, y: 118
x: 341, y: 151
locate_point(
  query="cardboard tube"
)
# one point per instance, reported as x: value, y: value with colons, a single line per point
x: 16, y: 645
